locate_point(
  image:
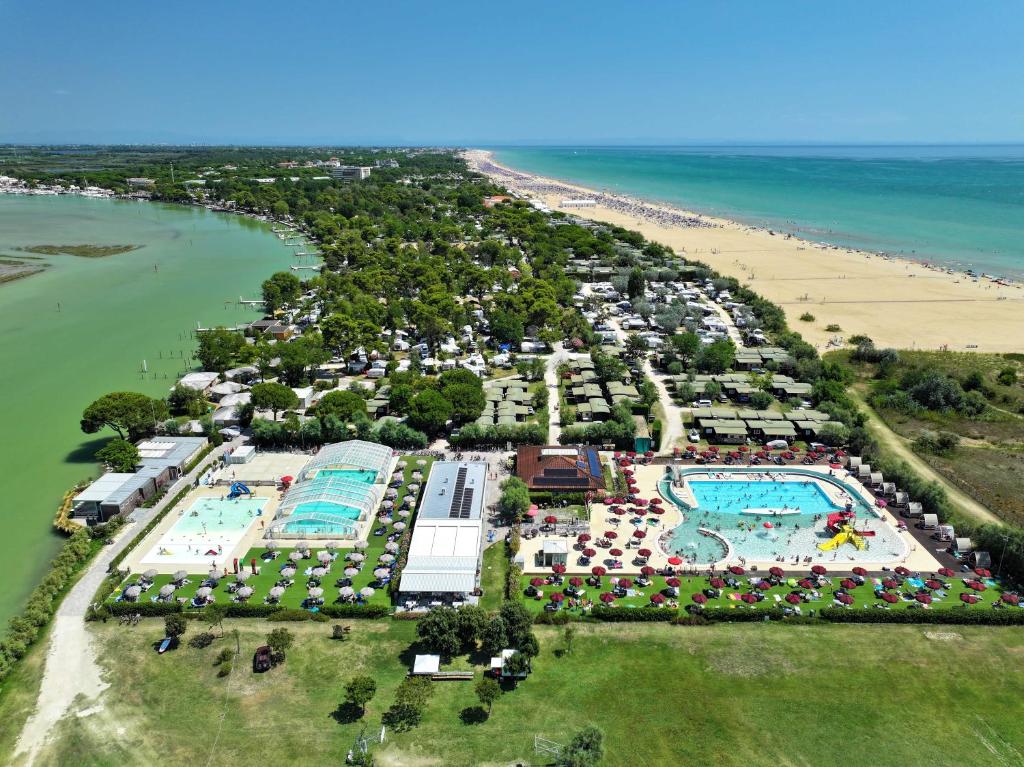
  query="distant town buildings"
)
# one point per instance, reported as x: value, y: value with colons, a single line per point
x: 140, y: 183
x: 351, y: 172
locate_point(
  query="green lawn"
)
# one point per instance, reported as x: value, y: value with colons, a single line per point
x: 270, y: 569
x: 864, y: 596
x: 492, y: 575
x: 744, y: 695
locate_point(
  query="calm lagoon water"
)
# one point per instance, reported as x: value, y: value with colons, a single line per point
x: 113, y: 313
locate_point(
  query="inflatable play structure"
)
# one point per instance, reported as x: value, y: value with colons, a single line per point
x: 840, y: 525
x: 238, y: 490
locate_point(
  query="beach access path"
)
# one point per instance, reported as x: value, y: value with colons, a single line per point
x: 71, y: 669
x: 901, y: 449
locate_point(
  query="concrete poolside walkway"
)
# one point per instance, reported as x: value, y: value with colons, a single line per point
x: 71, y: 669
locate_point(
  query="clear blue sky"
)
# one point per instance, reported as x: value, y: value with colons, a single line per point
x: 557, y: 71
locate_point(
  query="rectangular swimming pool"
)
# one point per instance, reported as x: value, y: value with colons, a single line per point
x: 736, y: 496
x: 206, y: 533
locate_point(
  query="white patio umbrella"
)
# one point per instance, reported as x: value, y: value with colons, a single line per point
x: 404, y: 513
x: 402, y: 464
x: 388, y: 504
x: 386, y: 559
x: 316, y: 592
x: 399, y: 526
x: 413, y: 487
x: 302, y: 545
x: 351, y: 572
x: 421, y: 462
x: 242, y: 576
x: 166, y: 591
x: 346, y: 592
x: 277, y: 592
x: 357, y: 557
x: 361, y: 545
x: 270, y: 545
x: 214, y: 575
x: 287, y: 572
x: 204, y: 592
x: 245, y: 592
x: 179, y: 576
x: 366, y: 592
x: 132, y: 593
x: 149, y: 575
x: 390, y: 493
x: 331, y: 545
x: 390, y: 547
x: 323, y: 556
x: 295, y: 556
x: 381, y: 572
x: 319, y: 572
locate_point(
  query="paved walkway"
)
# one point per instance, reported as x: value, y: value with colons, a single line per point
x: 71, y: 669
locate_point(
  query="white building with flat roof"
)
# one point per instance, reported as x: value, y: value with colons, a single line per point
x: 444, y: 554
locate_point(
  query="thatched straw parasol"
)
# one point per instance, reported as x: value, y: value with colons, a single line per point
x: 287, y: 572
x: 242, y: 576
x: 390, y: 547
x: 166, y: 591
x: 149, y: 575
x: 381, y: 572
x: 323, y: 556
x: 270, y: 545
x: 399, y: 526
x: 204, y: 592
x: 319, y: 572
x: 179, y: 576
x: 386, y: 559
x: 316, y: 592
x: 346, y: 592
x: 351, y: 572
x: 357, y: 557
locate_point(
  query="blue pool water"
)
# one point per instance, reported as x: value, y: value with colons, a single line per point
x: 730, y: 510
x: 733, y: 497
x: 215, y: 515
x: 354, y: 479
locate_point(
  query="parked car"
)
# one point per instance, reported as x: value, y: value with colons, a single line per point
x: 694, y: 435
x: 261, y: 660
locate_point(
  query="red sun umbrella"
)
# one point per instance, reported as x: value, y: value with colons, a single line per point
x: 607, y: 597
x: 675, y: 561
x: 736, y: 570
x: 557, y: 596
x: 969, y: 599
x: 925, y: 599
x: 531, y: 513
x: 976, y: 585
x: 550, y: 520
x: 647, y: 570
x: 846, y: 583
x: 768, y: 525
x: 656, y: 501
x: 615, y: 552
x: 536, y: 582
x: 901, y: 570
x: 288, y: 478
x: 778, y: 572
x: 805, y: 583
x: 639, y: 533
x: 617, y: 454
x: 763, y: 586
x: 673, y: 582
x: 793, y: 599
x: 576, y: 581
x: 699, y: 598
x: 835, y: 465
x: 819, y: 570
x: 583, y: 537
x: 640, y: 502
x: 628, y: 472
x: 945, y: 572
x: 889, y: 583
x: 590, y: 552
x: 644, y: 552
x: 889, y: 597
x: 618, y: 511
x: 611, y: 535
x: 933, y: 584
x: 717, y: 583
x: 744, y: 449
x: 657, y: 598
x: 558, y: 568
x: 598, y: 570
x: 1010, y: 599
x: 748, y: 598
x: 983, y: 572
x: 881, y: 503
x: 657, y: 510
x: 846, y: 599
x: 626, y: 583
x: 860, y: 571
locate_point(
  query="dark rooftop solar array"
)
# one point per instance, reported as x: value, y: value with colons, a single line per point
x: 562, y: 481
x: 462, y: 497
x: 595, y: 463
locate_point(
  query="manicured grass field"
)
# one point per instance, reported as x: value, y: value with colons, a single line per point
x: 744, y: 695
x: 864, y: 596
x: 269, y: 570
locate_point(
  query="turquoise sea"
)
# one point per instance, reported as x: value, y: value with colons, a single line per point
x: 961, y: 206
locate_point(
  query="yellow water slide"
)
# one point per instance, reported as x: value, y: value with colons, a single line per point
x: 846, y: 534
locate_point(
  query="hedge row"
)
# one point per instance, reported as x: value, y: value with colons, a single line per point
x: 637, y: 615
x: 955, y: 616
x: 24, y: 629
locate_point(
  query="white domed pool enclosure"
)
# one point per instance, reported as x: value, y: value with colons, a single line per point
x: 335, y: 493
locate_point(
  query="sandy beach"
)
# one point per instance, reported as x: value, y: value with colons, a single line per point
x: 896, y: 302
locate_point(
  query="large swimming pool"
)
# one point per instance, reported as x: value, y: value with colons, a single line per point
x: 356, y: 484
x: 765, y: 519
x: 207, y: 532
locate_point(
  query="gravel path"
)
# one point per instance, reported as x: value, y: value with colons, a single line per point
x: 71, y: 669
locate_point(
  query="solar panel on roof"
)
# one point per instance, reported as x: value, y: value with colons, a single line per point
x: 595, y: 463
